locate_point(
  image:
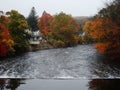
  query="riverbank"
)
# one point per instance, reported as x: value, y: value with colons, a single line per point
x: 53, y: 44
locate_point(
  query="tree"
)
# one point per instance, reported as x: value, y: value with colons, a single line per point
x: 87, y: 29
x: 17, y: 26
x: 106, y: 30
x: 6, y: 43
x: 65, y: 28
x: 33, y: 20
x: 44, y: 23
x: 112, y: 11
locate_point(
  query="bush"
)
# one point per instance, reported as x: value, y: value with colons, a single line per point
x: 60, y: 43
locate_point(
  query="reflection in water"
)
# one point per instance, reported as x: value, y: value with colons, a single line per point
x: 2, y: 84
x: 36, y: 84
x: 11, y: 84
x: 104, y: 67
x: 104, y: 84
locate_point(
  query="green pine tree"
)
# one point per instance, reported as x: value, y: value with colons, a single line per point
x: 33, y: 20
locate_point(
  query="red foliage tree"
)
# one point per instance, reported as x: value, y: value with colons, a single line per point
x: 5, y: 41
x: 44, y: 23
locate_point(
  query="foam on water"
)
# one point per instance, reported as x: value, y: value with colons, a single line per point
x: 71, y: 63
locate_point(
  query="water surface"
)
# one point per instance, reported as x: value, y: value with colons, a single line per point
x: 44, y: 84
x: 82, y: 61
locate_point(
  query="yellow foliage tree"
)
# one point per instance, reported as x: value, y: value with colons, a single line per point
x: 87, y: 29
x: 65, y: 28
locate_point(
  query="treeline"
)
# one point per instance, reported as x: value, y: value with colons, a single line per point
x: 14, y: 32
x: 13, y: 37
x: 58, y: 31
x: 104, y: 28
x: 62, y: 30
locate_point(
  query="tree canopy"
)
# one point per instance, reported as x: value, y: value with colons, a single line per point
x: 106, y: 30
x: 65, y: 28
x: 87, y: 38
x: 6, y: 43
x: 44, y: 23
x: 17, y: 26
x: 33, y: 20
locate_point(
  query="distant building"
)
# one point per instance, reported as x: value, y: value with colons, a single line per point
x: 35, y: 36
x: 1, y: 13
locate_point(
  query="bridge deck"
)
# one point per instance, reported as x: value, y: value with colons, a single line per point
x: 35, y: 42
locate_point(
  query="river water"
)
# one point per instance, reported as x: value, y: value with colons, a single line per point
x: 80, y: 62
x: 40, y: 84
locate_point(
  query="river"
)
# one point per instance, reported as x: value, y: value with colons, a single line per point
x: 45, y: 84
x: 80, y: 62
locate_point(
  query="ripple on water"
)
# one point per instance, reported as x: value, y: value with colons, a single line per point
x: 81, y: 61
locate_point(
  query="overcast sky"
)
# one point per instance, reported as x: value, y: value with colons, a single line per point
x: 73, y: 7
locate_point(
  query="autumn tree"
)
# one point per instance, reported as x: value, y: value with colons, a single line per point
x: 112, y: 11
x: 87, y: 38
x: 17, y: 26
x: 65, y: 28
x: 106, y: 30
x: 44, y: 23
x: 33, y: 20
x: 6, y: 43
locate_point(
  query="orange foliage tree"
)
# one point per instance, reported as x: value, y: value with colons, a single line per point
x: 6, y: 42
x: 106, y: 30
x: 106, y: 33
x: 44, y: 23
